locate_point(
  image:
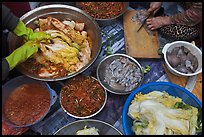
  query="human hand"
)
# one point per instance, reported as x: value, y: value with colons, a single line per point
x: 22, y: 53
x: 154, y: 7
x: 157, y: 22
x: 28, y: 34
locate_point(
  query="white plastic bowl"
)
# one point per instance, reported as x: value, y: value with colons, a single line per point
x: 194, y: 50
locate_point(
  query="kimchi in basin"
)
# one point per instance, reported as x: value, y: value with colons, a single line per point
x: 74, y: 45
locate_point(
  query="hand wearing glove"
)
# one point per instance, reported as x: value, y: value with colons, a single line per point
x: 22, y: 53
x: 28, y: 34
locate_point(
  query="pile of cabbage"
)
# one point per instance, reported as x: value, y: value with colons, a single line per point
x: 68, y: 49
x: 158, y: 113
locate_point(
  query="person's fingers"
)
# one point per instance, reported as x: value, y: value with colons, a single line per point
x: 154, y: 23
x: 149, y: 21
x: 150, y: 26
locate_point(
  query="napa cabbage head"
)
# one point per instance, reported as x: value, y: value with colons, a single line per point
x: 160, y: 118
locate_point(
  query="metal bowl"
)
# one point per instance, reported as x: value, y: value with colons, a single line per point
x: 101, y: 71
x: 109, y: 21
x: 87, y: 116
x: 103, y: 127
x: 60, y: 12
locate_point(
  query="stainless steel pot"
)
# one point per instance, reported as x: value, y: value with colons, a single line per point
x: 60, y: 12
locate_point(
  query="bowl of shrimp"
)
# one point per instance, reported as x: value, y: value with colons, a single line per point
x: 74, y: 45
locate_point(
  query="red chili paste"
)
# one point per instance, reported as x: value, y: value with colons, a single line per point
x: 82, y: 96
x: 102, y: 10
x: 27, y: 104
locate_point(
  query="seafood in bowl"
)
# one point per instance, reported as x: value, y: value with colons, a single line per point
x: 120, y: 73
x: 68, y: 50
x: 123, y: 72
x: 181, y: 59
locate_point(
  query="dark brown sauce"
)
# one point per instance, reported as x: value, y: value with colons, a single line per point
x: 27, y: 104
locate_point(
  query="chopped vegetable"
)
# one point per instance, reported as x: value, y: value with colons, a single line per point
x: 181, y: 105
x: 146, y: 69
x: 109, y: 42
x: 108, y: 51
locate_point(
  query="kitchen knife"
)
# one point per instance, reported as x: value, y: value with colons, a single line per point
x: 145, y: 20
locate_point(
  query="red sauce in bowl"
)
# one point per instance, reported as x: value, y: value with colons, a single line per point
x: 102, y: 10
x: 27, y: 104
x: 82, y: 96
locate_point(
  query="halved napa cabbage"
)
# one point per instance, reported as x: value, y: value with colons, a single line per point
x: 154, y: 114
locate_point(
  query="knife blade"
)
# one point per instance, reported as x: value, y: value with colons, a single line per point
x: 145, y: 20
x: 191, y: 83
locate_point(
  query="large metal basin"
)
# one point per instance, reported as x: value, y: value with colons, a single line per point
x: 60, y: 12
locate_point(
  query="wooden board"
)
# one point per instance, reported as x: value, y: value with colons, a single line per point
x: 181, y: 81
x: 139, y: 44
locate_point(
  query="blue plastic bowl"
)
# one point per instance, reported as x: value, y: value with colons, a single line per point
x: 170, y: 88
